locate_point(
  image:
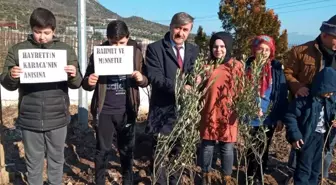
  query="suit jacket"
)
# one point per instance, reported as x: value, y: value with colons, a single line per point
x: 160, y: 68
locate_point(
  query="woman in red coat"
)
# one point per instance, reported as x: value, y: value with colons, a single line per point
x: 219, y: 122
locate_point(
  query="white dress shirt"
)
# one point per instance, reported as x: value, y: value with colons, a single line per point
x: 182, y: 50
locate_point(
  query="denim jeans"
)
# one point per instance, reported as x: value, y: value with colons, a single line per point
x: 226, y: 156
x: 327, y: 158
x: 309, y: 160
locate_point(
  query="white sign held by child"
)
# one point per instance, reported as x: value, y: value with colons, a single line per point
x: 42, y: 65
x: 113, y: 60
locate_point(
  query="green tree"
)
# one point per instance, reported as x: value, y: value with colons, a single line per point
x: 201, y: 40
x: 247, y: 19
x: 282, y: 45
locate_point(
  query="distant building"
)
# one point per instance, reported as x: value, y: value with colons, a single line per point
x: 72, y: 30
x: 8, y: 24
x: 108, y: 20
x: 101, y: 30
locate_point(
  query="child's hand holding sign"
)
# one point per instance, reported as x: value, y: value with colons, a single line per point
x: 71, y: 70
x: 15, y: 72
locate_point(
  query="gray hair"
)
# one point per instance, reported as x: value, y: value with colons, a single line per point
x: 181, y: 18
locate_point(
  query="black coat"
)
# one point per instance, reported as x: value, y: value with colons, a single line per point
x: 43, y: 106
x: 160, y: 68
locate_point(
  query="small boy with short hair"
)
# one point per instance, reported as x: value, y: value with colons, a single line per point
x: 115, y: 104
x: 43, y: 107
x: 307, y: 121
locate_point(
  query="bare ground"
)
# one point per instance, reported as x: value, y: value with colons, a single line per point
x: 80, y: 151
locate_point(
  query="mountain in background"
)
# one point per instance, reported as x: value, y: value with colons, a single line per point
x: 297, y: 38
x: 98, y: 16
x: 66, y: 14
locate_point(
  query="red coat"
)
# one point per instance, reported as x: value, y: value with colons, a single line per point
x: 218, y: 121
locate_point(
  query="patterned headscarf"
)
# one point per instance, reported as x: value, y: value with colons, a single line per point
x: 266, y: 73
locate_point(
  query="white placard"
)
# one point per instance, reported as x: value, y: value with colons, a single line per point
x: 42, y: 65
x: 113, y: 60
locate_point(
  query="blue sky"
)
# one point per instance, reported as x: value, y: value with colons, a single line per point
x: 299, y: 16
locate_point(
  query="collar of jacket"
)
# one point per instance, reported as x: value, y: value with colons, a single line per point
x: 47, y: 45
x: 319, y: 52
x: 324, y: 50
x: 317, y: 47
x: 167, y: 41
x: 173, y: 43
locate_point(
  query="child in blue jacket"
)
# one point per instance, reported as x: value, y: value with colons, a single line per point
x: 308, y: 121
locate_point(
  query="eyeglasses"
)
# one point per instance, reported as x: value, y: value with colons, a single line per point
x: 266, y: 38
x: 262, y: 38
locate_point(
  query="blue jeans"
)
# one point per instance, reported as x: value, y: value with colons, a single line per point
x: 226, y: 156
x: 327, y: 158
x: 309, y: 160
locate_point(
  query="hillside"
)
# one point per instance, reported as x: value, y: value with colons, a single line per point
x: 66, y: 13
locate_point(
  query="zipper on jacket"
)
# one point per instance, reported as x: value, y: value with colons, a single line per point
x: 42, y: 114
x: 65, y: 107
x: 42, y: 111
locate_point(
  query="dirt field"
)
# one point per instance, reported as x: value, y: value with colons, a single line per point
x: 80, y: 150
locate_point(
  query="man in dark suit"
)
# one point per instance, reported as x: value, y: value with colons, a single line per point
x: 163, y: 58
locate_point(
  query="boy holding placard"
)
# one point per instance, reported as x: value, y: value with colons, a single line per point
x: 31, y: 67
x: 116, y: 99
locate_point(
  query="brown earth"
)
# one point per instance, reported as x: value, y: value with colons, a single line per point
x: 80, y: 151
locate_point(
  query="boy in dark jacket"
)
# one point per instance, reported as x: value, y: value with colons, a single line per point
x: 44, y: 107
x: 308, y: 121
x: 115, y: 104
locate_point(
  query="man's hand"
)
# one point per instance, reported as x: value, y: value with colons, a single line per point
x: 303, y: 92
x: 137, y: 76
x: 198, y: 79
x: 279, y: 126
x: 71, y: 70
x: 187, y: 87
x: 93, y: 78
x: 260, y: 113
x: 15, y: 72
x: 333, y: 123
x: 208, y: 70
x: 297, y: 144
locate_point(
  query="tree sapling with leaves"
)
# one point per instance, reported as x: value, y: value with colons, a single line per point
x: 272, y: 100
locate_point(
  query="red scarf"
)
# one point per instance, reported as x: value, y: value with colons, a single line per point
x: 265, y: 77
